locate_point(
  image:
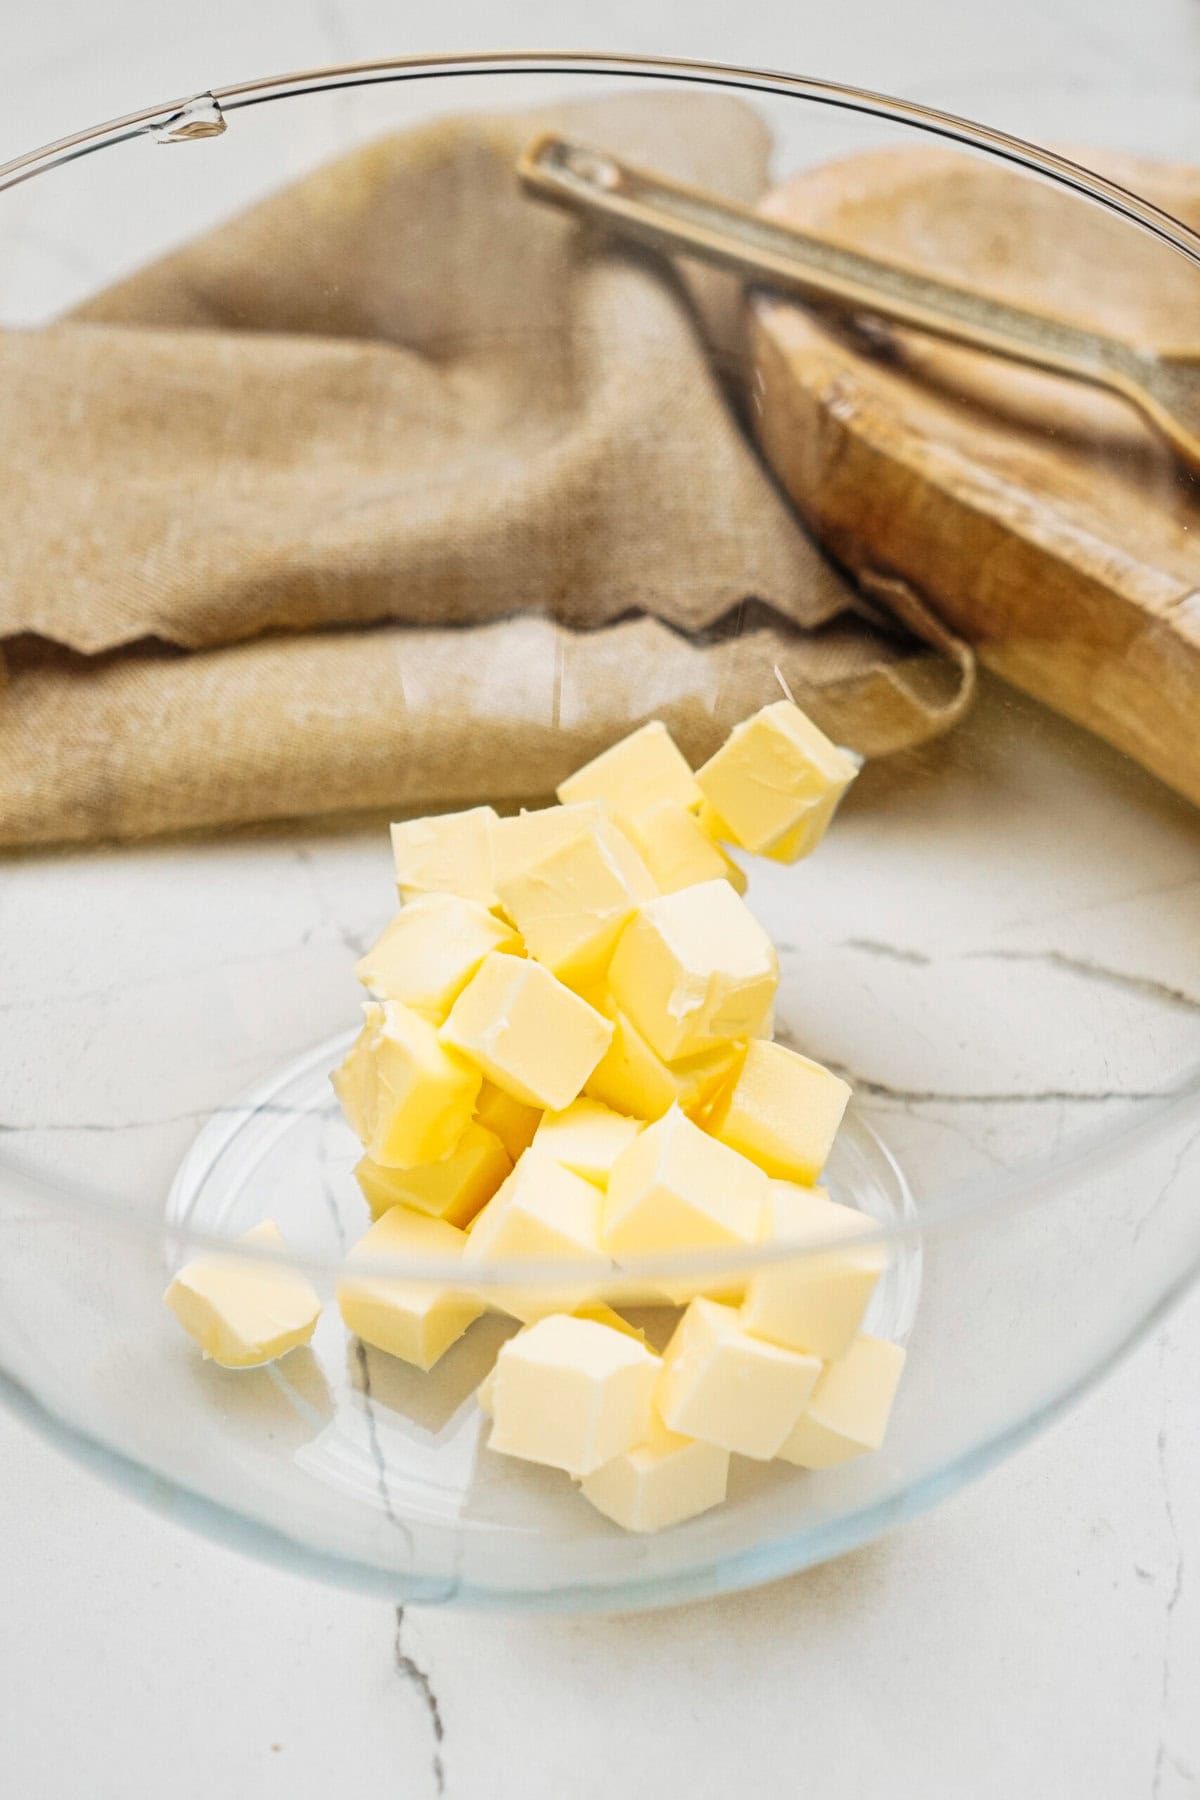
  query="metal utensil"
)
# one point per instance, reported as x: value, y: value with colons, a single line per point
x: 668, y: 216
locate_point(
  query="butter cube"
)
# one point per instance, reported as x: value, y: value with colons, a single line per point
x: 599, y: 1314
x: 414, y: 1320
x: 528, y: 1033
x: 660, y: 1482
x: 511, y: 1120
x: 447, y: 853
x: 243, y: 1313
x: 674, y: 1188
x: 587, y: 1138
x: 694, y: 969
x: 699, y: 1080
x: 713, y: 825
x: 572, y: 1394
x: 629, y: 1076
x: 804, y: 836
x: 848, y: 1412
x: 430, y: 951
x: 725, y: 1387
x: 528, y: 836
x: 354, y: 1081
x: 783, y: 1110
x: 676, y: 849
x: 454, y: 1189
x: 644, y: 768
x: 632, y: 1079
x: 543, y: 1212
x: 807, y: 832
x: 764, y: 778
x: 817, y: 1300
x: 603, y: 1314
x: 408, y: 1095
x: 572, y: 902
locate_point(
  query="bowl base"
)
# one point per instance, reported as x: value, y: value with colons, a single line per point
x: 409, y: 1447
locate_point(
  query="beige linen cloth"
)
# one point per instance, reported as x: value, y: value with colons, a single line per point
x: 402, y: 489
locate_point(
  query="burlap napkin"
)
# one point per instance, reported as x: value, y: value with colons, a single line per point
x: 401, y: 488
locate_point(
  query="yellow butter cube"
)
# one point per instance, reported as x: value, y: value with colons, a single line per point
x: 572, y: 903
x: 430, y: 951
x: 416, y: 1321
x: 629, y: 1077
x: 528, y: 1033
x: 454, y: 1189
x: 572, y: 1394
x: 677, y: 851
x: 675, y: 1188
x: 409, y: 1095
x: 354, y: 1080
x: 700, y: 1079
x: 244, y: 1313
x: 587, y: 1138
x: 807, y: 832
x: 660, y: 1482
x: 850, y: 1406
x: 783, y: 1110
x: 446, y: 853
x: 725, y: 1387
x: 644, y: 768
x: 632, y: 1079
x: 511, y: 1120
x: 817, y: 1300
x: 602, y: 1314
x: 528, y: 836
x: 764, y: 778
x: 713, y: 825
x: 694, y: 969
x: 599, y: 1314
x: 543, y: 1212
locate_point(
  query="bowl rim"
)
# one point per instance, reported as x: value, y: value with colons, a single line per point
x: 973, y: 1203
x: 168, y: 121
x: 203, y: 114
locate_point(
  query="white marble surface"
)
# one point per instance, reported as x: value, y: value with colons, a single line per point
x: 1039, y: 1635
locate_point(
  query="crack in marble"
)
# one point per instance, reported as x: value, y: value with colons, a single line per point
x: 350, y: 940
x: 375, y: 1447
x: 1084, y: 966
x: 410, y: 1671
x: 964, y: 1137
x: 884, y: 1090
x: 1093, y: 971
x: 889, y: 952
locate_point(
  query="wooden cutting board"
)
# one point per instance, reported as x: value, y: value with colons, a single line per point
x: 1042, y: 521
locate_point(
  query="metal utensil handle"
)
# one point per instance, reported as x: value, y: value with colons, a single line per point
x: 668, y: 216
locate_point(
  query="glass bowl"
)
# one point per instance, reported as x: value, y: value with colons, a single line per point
x: 997, y: 943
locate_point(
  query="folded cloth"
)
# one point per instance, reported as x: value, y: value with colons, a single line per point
x: 401, y: 488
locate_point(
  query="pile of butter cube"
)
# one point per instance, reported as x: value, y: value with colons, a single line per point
x: 567, y: 1056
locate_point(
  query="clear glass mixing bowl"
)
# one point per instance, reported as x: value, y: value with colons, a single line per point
x: 998, y: 942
